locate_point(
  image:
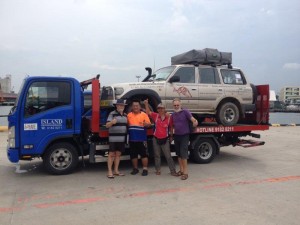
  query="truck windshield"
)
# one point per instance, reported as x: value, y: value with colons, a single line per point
x: 162, y: 74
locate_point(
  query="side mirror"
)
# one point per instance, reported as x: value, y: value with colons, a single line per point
x: 174, y: 79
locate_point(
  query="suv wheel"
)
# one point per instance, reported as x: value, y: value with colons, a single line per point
x: 228, y: 114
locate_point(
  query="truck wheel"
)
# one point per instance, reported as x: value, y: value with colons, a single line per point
x: 204, y: 151
x: 228, y: 114
x: 60, y: 159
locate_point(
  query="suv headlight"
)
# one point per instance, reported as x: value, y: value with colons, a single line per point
x: 119, y: 90
x: 11, y: 137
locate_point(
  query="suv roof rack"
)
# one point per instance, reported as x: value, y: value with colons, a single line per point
x: 207, y: 56
x: 229, y: 65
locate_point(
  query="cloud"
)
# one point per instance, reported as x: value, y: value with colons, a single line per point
x: 178, y: 18
x: 291, y: 66
x: 268, y: 12
x: 110, y: 67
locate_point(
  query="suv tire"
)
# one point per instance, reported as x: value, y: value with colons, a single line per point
x: 228, y: 114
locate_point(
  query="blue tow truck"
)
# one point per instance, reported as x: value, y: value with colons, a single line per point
x: 50, y: 120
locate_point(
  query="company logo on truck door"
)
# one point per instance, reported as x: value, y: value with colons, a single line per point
x: 30, y: 126
x: 51, y: 124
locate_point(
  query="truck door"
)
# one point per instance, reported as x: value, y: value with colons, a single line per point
x: 47, y: 114
x: 186, y: 89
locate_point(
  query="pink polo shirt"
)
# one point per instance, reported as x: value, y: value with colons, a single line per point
x: 161, y: 126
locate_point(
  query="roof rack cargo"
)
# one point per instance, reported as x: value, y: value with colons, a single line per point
x: 207, y: 56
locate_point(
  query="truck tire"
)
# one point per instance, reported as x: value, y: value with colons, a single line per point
x: 228, y: 114
x: 60, y: 158
x: 205, y: 151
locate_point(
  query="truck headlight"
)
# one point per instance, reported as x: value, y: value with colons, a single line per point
x: 119, y: 90
x: 11, y: 137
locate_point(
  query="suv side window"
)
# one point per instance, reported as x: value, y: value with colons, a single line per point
x: 186, y: 74
x: 42, y: 96
x: 208, y: 76
x: 232, y: 77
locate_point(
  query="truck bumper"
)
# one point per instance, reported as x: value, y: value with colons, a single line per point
x: 13, y: 155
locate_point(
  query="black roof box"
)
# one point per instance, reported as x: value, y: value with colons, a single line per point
x: 204, y: 56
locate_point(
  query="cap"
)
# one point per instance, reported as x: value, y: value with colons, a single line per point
x: 120, y: 102
x: 160, y: 105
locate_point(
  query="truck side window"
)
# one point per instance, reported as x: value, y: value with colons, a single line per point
x: 232, y: 77
x: 42, y: 96
x: 208, y: 76
x: 186, y: 74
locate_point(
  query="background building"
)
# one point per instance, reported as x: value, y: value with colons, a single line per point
x: 290, y: 95
x: 5, y: 84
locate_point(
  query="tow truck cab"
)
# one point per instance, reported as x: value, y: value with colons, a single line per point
x: 47, y: 109
x: 47, y: 121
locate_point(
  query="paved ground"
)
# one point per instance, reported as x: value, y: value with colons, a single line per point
x: 258, y: 185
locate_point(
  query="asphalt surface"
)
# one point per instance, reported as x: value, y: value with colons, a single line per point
x: 259, y: 185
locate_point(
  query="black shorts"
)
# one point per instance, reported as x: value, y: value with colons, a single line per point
x: 116, y: 146
x: 138, y: 148
x: 182, y: 145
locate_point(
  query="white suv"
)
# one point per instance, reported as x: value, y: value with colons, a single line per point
x: 208, y: 89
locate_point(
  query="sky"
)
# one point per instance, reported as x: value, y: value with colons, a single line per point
x: 119, y: 38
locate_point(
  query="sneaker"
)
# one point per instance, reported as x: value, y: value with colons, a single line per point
x: 145, y: 173
x: 134, y: 171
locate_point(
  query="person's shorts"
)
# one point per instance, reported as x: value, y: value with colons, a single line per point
x: 181, y: 143
x: 138, y: 148
x: 116, y: 146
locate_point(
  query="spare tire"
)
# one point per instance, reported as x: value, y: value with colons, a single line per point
x: 254, y: 93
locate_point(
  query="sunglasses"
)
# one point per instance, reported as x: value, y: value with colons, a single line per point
x: 175, y: 105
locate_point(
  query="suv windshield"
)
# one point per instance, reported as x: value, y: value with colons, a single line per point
x: 161, y: 74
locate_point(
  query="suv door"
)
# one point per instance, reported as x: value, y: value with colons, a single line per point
x: 186, y: 89
x: 235, y: 85
x: 210, y: 89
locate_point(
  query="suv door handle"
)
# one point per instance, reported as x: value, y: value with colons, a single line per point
x: 220, y: 89
x: 193, y: 89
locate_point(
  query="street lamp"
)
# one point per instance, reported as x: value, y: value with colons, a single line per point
x: 138, y: 77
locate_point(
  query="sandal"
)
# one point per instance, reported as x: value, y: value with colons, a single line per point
x: 119, y: 174
x: 110, y: 176
x: 179, y: 173
x: 184, y: 176
x: 157, y: 173
x: 174, y: 174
